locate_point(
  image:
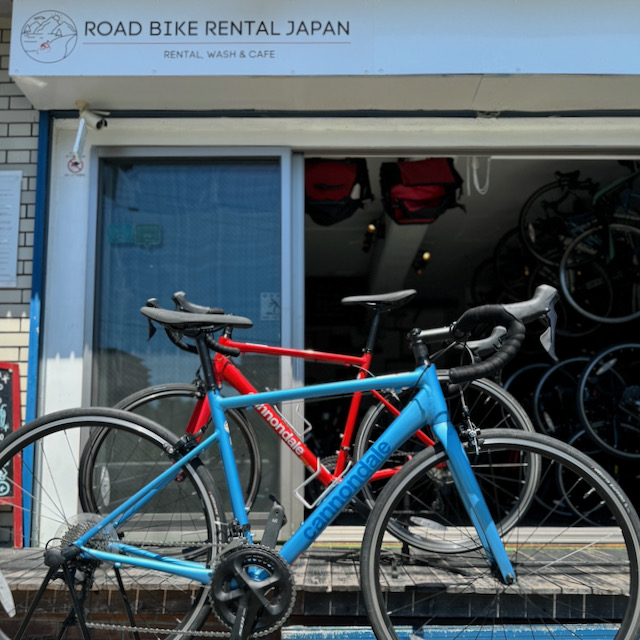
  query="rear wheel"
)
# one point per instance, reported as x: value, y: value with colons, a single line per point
x: 569, y: 576
x: 40, y: 466
x: 172, y: 405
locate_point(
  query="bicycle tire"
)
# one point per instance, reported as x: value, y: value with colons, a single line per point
x: 173, y: 404
x: 622, y: 265
x: 567, y: 575
x: 609, y: 400
x: 547, y: 216
x: 490, y: 406
x: 581, y: 503
x: 194, y: 530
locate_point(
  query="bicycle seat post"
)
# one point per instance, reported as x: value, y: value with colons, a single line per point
x: 379, y: 304
x: 373, y: 329
x: 205, y: 361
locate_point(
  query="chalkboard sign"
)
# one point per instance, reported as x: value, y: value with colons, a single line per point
x: 10, y: 476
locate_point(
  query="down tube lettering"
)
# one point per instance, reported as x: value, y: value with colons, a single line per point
x: 346, y: 490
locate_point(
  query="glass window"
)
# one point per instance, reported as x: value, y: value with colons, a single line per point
x: 209, y: 227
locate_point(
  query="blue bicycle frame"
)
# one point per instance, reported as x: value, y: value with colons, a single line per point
x: 427, y: 407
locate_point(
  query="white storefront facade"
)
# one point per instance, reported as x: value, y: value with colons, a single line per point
x: 204, y: 111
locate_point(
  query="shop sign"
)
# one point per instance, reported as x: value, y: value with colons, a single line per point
x: 200, y: 38
x: 332, y: 37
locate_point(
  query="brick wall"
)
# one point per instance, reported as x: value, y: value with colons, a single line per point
x: 18, y: 151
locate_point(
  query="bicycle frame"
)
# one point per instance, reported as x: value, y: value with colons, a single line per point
x: 226, y: 372
x: 428, y: 406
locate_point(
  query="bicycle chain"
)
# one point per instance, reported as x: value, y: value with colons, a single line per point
x: 145, y: 544
x: 118, y: 627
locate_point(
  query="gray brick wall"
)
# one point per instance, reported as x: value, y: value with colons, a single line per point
x: 18, y: 151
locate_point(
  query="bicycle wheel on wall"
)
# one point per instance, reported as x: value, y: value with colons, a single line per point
x: 513, y: 265
x: 488, y: 407
x: 609, y: 400
x: 592, y: 289
x: 172, y: 406
x: 614, y: 249
x: 554, y: 405
x: 569, y: 576
x: 554, y: 214
x: 184, y: 520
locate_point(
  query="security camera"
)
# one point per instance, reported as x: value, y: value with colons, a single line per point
x: 94, y: 120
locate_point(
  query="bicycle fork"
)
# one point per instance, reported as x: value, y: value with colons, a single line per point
x: 473, y: 500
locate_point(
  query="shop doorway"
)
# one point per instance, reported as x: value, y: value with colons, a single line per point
x: 477, y: 256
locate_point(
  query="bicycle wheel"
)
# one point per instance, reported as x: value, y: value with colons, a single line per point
x: 39, y: 464
x: 554, y: 406
x: 521, y: 383
x: 553, y: 215
x: 489, y: 406
x: 614, y: 248
x: 513, y: 264
x: 609, y: 400
x: 484, y: 287
x: 172, y: 405
x: 592, y: 289
x: 569, y: 577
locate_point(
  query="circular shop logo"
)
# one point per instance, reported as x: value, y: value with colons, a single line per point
x: 49, y: 36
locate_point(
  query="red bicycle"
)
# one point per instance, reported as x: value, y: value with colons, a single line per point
x: 481, y: 401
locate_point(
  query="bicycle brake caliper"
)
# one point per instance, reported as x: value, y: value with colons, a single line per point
x: 470, y: 430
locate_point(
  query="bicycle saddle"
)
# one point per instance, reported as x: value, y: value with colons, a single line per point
x: 182, y: 321
x: 381, y: 300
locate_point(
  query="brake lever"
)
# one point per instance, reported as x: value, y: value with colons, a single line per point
x: 548, y: 336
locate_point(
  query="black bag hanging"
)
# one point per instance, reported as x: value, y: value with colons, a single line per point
x: 419, y: 191
x: 335, y: 189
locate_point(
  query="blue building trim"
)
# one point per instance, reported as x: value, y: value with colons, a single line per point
x: 37, y: 285
x: 35, y: 309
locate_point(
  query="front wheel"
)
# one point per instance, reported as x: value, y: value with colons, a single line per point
x: 570, y: 576
x: 489, y: 406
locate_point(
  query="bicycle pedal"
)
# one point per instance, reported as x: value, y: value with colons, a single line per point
x: 276, y: 520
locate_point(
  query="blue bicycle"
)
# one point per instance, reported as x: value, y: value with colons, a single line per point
x: 97, y: 576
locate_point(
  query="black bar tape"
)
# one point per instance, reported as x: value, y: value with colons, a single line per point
x: 487, y: 314
x: 176, y: 338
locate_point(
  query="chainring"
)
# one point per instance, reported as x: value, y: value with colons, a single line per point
x: 256, y: 578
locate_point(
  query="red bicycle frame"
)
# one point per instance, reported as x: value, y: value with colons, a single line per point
x: 226, y: 371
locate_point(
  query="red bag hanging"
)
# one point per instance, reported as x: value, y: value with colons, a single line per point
x: 335, y: 189
x: 419, y: 191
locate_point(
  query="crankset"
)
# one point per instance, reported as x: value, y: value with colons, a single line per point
x: 252, y: 591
